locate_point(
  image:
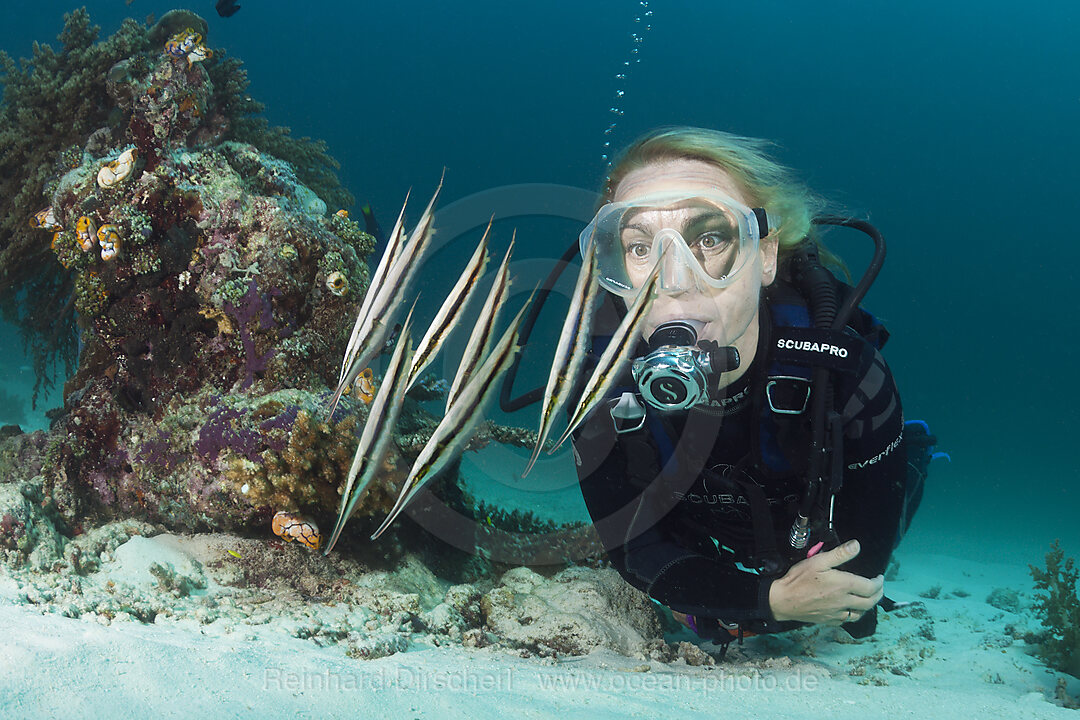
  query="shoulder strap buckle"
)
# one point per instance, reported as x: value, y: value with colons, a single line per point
x: 787, y: 394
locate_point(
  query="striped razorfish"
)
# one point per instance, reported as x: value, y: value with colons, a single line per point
x: 614, y: 357
x: 571, y: 351
x: 457, y: 426
x: 449, y: 315
x: 394, y: 242
x: 378, y: 430
x: 484, y: 330
x: 389, y: 296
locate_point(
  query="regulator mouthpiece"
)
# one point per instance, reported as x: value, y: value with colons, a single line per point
x: 675, y: 374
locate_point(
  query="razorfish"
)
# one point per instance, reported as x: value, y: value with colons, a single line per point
x: 390, y: 253
x: 378, y: 430
x: 449, y: 315
x: 457, y: 426
x: 614, y: 357
x: 388, y: 296
x: 480, y: 339
x: 570, y: 352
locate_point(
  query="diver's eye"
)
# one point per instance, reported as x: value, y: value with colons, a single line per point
x: 713, y: 242
x: 638, y: 250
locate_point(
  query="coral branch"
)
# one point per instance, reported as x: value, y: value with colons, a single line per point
x: 1059, y: 609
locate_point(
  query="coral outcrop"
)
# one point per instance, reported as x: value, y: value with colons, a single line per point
x: 212, y: 288
x: 1058, y: 608
x: 581, y: 610
x: 66, y: 113
x: 213, y: 275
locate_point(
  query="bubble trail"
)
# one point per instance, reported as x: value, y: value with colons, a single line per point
x: 642, y: 26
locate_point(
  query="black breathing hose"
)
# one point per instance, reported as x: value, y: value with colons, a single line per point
x: 535, y: 395
x: 816, y: 283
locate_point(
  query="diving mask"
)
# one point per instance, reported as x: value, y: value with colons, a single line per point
x: 702, y: 240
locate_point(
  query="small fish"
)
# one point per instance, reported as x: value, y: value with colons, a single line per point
x: 342, y: 213
x: 226, y: 8
x: 371, y: 332
x: 371, y: 225
x: 614, y: 357
x: 46, y: 220
x: 570, y: 352
x: 234, y: 554
x: 449, y: 315
x: 391, y: 339
x: 458, y: 425
x: 290, y: 526
x: 378, y: 431
x: 480, y: 340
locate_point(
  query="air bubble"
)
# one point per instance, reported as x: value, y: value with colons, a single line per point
x: 642, y: 24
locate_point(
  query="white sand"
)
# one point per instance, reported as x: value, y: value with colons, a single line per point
x: 52, y: 666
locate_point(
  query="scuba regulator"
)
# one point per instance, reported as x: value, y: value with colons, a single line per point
x: 676, y: 375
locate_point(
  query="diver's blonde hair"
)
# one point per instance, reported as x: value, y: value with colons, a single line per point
x: 765, y: 182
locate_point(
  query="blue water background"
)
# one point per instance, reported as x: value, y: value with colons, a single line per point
x: 952, y: 126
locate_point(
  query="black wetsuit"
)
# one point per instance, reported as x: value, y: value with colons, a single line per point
x: 659, y: 531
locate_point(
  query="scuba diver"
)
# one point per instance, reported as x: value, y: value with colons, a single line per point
x: 751, y: 470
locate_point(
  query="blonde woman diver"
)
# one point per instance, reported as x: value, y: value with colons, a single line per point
x: 710, y: 486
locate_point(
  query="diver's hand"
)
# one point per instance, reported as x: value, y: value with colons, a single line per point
x: 814, y: 591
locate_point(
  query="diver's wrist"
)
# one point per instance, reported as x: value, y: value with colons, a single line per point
x: 775, y: 603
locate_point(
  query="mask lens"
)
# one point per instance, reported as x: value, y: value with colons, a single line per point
x: 702, y: 241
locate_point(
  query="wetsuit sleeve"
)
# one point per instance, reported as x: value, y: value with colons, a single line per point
x: 643, y: 543
x: 869, y: 505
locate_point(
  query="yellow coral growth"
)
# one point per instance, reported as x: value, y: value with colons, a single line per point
x: 310, y: 471
x: 224, y: 324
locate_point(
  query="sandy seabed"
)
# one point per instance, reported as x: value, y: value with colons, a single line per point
x: 953, y: 655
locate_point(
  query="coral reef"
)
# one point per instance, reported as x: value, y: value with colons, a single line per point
x: 213, y: 315
x: 1059, y: 610
x: 67, y: 114
x: 213, y: 290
